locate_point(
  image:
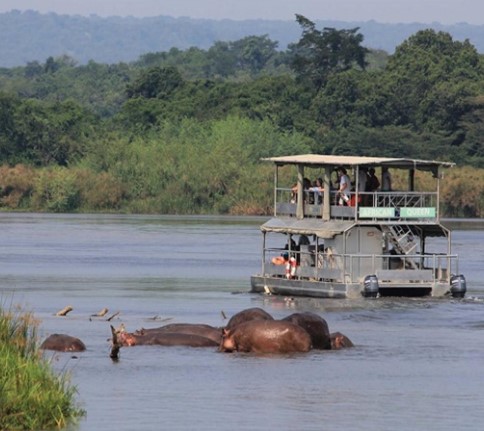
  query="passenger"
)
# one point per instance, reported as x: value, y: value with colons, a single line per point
x: 308, y: 197
x: 294, y: 193
x: 280, y: 260
x: 362, y: 178
x: 344, y: 189
x: 372, y: 185
x: 372, y: 182
x: 305, y: 257
x: 386, y: 179
x: 290, y: 252
x: 317, y: 189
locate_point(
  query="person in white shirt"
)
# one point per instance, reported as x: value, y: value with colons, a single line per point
x: 344, y: 189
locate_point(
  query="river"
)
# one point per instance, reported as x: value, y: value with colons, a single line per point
x: 415, y: 365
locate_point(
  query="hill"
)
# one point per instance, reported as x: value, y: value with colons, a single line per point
x: 31, y: 36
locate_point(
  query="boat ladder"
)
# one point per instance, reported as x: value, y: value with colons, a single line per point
x: 402, y: 239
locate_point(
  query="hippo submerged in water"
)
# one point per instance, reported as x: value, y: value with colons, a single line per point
x: 178, y: 334
x: 252, y: 330
x: 63, y: 343
x: 266, y: 336
x: 315, y: 326
x: 246, y: 316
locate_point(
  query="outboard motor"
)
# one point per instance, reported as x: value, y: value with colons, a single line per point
x: 458, y: 286
x: 370, y: 286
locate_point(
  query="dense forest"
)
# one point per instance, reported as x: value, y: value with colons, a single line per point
x: 29, y: 36
x: 183, y: 131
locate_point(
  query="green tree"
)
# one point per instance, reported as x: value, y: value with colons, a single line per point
x: 430, y: 78
x: 156, y: 82
x: 221, y: 60
x: 254, y: 52
x: 318, y: 54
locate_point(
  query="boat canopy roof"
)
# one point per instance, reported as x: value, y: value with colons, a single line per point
x: 293, y: 226
x: 329, y: 229
x: 353, y: 161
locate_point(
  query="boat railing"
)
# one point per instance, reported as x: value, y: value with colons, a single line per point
x: 353, y: 268
x: 368, y: 206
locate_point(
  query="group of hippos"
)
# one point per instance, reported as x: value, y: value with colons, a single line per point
x: 252, y: 330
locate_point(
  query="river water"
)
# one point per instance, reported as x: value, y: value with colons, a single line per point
x: 417, y: 365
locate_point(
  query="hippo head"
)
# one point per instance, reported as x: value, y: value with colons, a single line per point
x: 228, y: 343
x: 126, y: 339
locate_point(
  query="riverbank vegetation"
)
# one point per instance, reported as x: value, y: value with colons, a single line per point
x: 32, y: 396
x: 184, y: 131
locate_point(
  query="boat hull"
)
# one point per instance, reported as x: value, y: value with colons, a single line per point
x: 331, y: 289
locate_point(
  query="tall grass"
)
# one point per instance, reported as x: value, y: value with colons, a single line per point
x: 32, y: 396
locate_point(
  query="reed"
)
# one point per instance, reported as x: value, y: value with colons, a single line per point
x: 32, y: 396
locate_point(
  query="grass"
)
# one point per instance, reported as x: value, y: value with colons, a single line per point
x: 32, y: 396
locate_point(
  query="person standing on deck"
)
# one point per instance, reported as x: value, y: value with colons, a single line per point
x: 386, y: 180
x: 344, y: 188
x: 362, y: 178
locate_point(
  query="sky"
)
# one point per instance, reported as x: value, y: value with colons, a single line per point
x: 383, y: 11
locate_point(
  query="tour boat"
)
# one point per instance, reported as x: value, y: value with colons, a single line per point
x: 381, y: 242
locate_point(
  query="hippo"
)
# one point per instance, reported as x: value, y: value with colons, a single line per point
x: 203, y: 330
x: 266, y: 336
x: 339, y: 341
x: 63, y: 343
x: 315, y: 326
x: 247, y: 315
x: 165, y: 339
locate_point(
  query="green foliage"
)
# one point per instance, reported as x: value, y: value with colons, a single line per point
x: 319, y: 54
x: 56, y: 190
x: 463, y: 192
x: 430, y: 76
x: 183, y: 131
x: 32, y: 396
x: 42, y: 133
x: 156, y: 82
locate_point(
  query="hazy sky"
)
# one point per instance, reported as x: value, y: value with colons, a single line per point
x: 385, y: 11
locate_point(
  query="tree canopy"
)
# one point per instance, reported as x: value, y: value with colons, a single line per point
x: 148, y: 130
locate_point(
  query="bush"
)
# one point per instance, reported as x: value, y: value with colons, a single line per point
x: 56, y: 190
x: 16, y: 185
x: 32, y: 396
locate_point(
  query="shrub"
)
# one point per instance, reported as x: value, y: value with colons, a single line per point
x: 16, y: 185
x: 56, y: 190
x: 32, y: 396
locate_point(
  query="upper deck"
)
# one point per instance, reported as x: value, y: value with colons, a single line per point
x: 405, y: 205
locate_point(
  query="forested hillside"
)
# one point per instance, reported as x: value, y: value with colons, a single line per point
x: 31, y: 36
x: 183, y: 131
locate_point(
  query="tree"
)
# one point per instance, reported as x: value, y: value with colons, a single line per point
x: 254, y: 52
x: 430, y: 77
x: 156, y: 82
x: 318, y: 54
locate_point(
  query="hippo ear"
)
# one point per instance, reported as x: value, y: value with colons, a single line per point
x: 225, y: 332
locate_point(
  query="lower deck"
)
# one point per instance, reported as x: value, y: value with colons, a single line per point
x: 273, y: 285
x: 353, y: 260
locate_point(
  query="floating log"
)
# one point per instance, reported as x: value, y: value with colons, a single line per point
x: 64, y: 311
x: 101, y: 313
x: 113, y: 316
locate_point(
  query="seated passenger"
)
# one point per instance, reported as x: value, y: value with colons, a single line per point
x: 317, y: 191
